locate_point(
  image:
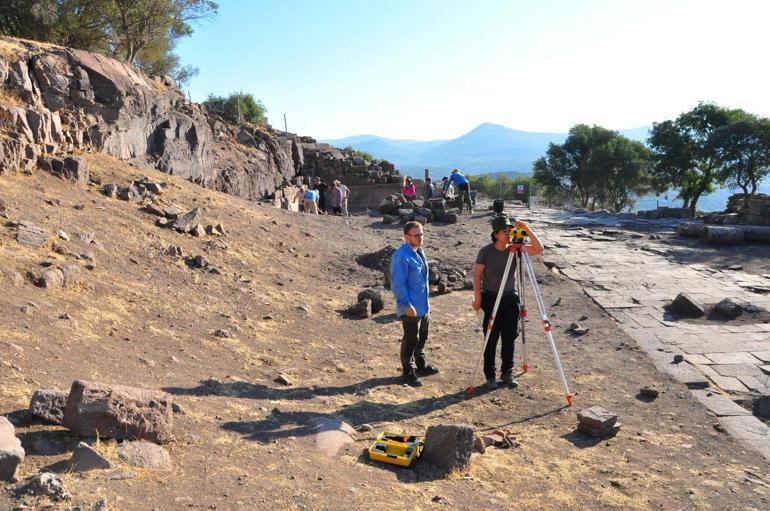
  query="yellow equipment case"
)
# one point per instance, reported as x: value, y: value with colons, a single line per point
x: 396, y: 449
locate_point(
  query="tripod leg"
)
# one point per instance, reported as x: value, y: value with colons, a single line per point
x: 522, y: 314
x: 547, y: 326
x: 491, y: 324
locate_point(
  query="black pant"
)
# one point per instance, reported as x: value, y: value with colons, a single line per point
x: 465, y: 196
x: 505, y: 326
x: 413, y: 341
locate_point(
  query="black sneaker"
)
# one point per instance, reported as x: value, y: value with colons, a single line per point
x: 412, y: 380
x: 491, y: 384
x: 426, y: 370
x: 508, y: 379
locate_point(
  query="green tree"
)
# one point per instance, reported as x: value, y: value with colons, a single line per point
x: 251, y: 110
x: 140, y: 32
x: 595, y: 166
x: 744, y: 150
x: 687, y: 152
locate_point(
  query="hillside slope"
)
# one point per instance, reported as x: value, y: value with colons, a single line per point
x: 245, y: 441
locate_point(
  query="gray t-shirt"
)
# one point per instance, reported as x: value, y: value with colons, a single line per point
x: 494, y: 265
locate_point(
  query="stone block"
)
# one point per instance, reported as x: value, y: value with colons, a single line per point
x: 85, y: 458
x: 377, y: 297
x: 48, y: 404
x: 30, y: 235
x: 448, y: 447
x: 751, y: 432
x: 597, y: 417
x: 118, y: 411
x: 144, y: 454
x: 719, y: 405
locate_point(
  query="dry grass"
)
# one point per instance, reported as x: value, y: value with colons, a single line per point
x: 9, y: 97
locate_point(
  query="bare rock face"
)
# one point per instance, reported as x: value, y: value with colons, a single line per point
x: 118, y: 411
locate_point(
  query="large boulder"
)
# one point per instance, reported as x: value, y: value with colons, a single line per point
x: 448, y: 447
x: 11, y: 452
x: 375, y: 295
x: 189, y: 221
x: 118, y: 411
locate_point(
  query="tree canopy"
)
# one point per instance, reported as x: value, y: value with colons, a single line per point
x: 595, y: 166
x: 140, y: 32
x: 251, y: 110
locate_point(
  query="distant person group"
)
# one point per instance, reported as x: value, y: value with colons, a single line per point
x: 312, y: 199
x: 451, y: 186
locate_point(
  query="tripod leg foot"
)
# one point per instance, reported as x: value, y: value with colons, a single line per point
x: 525, y: 367
x: 569, y: 399
x: 469, y: 391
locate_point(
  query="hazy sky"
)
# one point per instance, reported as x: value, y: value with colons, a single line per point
x: 430, y: 69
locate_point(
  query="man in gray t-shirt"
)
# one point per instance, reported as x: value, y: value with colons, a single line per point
x: 487, y: 278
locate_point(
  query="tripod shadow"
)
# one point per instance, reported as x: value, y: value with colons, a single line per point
x: 527, y: 419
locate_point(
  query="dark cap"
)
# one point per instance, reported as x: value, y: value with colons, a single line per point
x: 501, y: 222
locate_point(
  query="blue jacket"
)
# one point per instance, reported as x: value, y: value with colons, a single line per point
x: 409, y: 280
x: 458, y: 179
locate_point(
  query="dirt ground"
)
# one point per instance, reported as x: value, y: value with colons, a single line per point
x: 146, y: 319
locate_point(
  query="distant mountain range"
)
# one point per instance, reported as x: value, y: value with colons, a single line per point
x: 486, y: 148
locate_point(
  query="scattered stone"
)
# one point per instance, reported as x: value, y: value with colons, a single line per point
x: 44, y: 485
x: 30, y: 235
x: 110, y: 190
x: 729, y: 308
x: 144, y: 454
x: 67, y: 275
x: 221, y: 332
x: 441, y: 500
x: 85, y: 458
x: 174, y: 251
x: 198, y: 231
x: 379, y: 260
x: 304, y: 308
x: 86, y: 238
x: 197, y: 262
x: 685, y: 305
x: 577, y: 330
x: 11, y: 452
x: 362, y: 309
x: 154, y: 209
x: 62, y: 235
x: 598, y: 422
x: 479, y: 444
x: 389, y: 219
x: 735, y: 267
x: 363, y: 428
x: 172, y: 212
x: 118, y: 411
x: 377, y: 297
x: 448, y: 447
x: 121, y: 476
x: 283, y: 380
x: 215, y: 230
x: 649, y: 391
x: 189, y: 221
x: 162, y: 222
x: 678, y: 359
x: 48, y: 404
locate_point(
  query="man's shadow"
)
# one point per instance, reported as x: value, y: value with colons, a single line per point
x: 247, y: 390
x: 281, y: 424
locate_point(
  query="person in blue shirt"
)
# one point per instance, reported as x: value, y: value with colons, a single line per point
x: 409, y: 283
x: 464, y: 187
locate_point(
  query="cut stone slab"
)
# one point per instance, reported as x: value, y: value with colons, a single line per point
x: 729, y: 383
x: 685, y: 305
x: 764, y: 356
x: 11, y: 452
x: 118, y: 411
x: 48, y: 404
x: 597, y: 417
x: 740, y: 357
x: 448, y: 447
x: 751, y: 432
x: 144, y: 454
x: 30, y: 235
x: 85, y: 458
x: 719, y: 405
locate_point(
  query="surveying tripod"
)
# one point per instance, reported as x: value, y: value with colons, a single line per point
x: 518, y: 252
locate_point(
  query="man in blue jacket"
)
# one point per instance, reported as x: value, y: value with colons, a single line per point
x: 409, y: 283
x: 464, y: 187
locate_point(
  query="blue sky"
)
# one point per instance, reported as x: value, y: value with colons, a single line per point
x: 429, y: 69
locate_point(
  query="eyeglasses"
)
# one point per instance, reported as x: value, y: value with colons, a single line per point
x: 417, y: 235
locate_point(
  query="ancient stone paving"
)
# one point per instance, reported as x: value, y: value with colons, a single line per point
x: 632, y: 280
